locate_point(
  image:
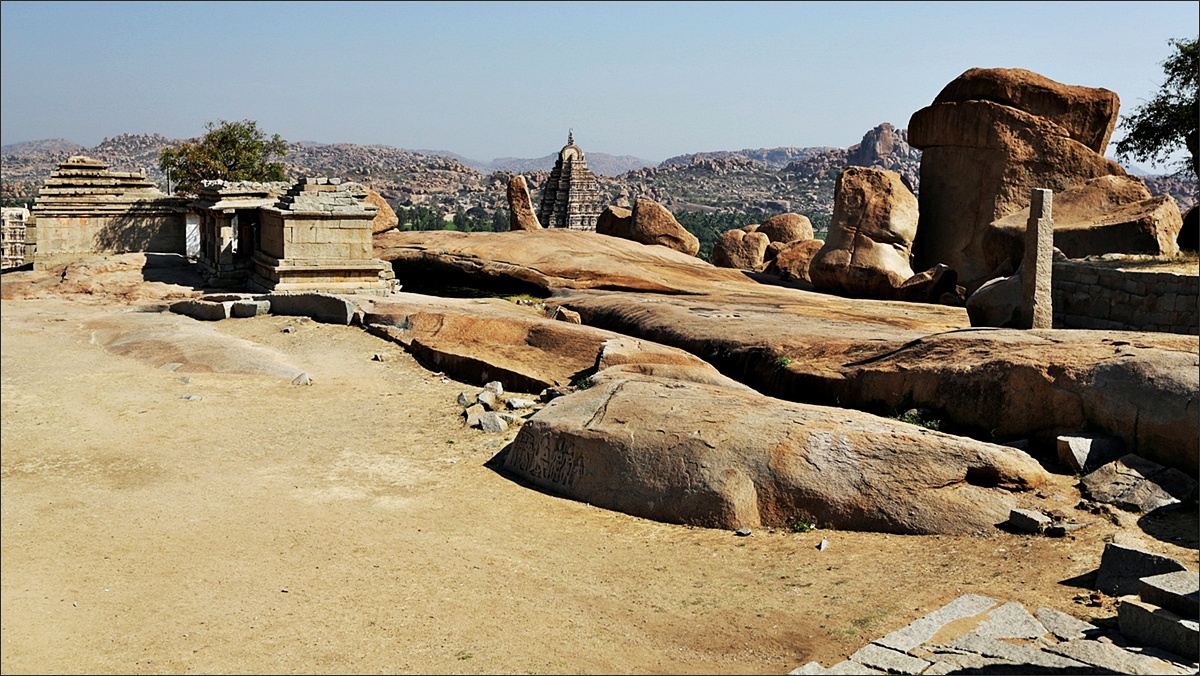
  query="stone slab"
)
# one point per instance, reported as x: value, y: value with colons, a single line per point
x: 891, y: 661
x: 923, y: 629
x: 1178, y: 592
x: 322, y: 307
x: 249, y: 308
x: 1010, y: 620
x: 965, y: 664
x: 1028, y: 521
x: 990, y: 647
x: 1064, y: 626
x: 202, y: 309
x: 1147, y: 624
x: 1085, y: 453
x: 1110, y: 657
x: 1122, y: 568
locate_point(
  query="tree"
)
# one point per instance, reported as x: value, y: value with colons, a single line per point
x: 1169, y: 120
x: 229, y: 151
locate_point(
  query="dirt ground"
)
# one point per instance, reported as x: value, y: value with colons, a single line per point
x: 175, y: 521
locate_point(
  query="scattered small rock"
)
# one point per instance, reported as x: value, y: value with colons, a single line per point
x: 742, y: 532
x: 190, y: 397
x: 822, y: 545
x: 302, y: 379
x: 517, y: 403
x: 380, y: 356
x: 494, y: 387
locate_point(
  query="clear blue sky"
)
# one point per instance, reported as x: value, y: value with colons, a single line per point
x: 498, y: 79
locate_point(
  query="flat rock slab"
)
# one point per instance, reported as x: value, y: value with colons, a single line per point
x: 159, y: 339
x: 1138, y: 485
x: 925, y: 628
x: 1063, y: 626
x: 322, y: 307
x: 1178, y: 592
x: 1010, y: 620
x: 888, y: 660
x: 1123, y: 567
x: 1001, y: 383
x: 705, y: 455
x: 1111, y: 657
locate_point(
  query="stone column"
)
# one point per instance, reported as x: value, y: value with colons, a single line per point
x: 1036, y: 310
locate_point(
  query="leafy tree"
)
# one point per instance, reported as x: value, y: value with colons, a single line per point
x: 229, y: 151
x: 1160, y: 126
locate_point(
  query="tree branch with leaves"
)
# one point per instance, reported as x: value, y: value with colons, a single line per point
x: 1171, y: 120
x: 229, y: 151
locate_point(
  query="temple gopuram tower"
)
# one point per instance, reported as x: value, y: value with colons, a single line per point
x: 572, y: 197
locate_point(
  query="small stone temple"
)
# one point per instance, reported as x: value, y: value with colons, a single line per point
x: 269, y: 237
x: 571, y: 198
x: 83, y: 209
x: 13, y: 237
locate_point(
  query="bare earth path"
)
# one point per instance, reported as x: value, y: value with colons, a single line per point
x: 353, y: 526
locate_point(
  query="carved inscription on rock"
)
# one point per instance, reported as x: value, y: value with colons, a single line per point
x: 546, y: 458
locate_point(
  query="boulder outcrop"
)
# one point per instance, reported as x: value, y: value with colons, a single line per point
x: 705, y: 455
x: 1109, y: 214
x: 740, y: 250
x: 540, y: 261
x: 866, y: 253
x: 786, y: 228
x: 615, y: 221
x: 990, y: 137
x: 792, y: 261
x: 654, y: 224
x: 385, y: 217
x: 521, y: 214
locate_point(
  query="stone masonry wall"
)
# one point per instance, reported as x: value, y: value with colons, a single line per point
x: 1094, y: 297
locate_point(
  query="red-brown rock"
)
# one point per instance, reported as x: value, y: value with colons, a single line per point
x: 740, y: 250
x: 521, y: 215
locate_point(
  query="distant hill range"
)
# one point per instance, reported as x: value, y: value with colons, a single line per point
x: 763, y: 180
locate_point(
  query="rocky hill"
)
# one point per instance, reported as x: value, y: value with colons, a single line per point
x: 763, y: 180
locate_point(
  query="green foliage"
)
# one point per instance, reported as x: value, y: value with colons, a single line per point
x: 229, y: 151
x: 1168, y: 122
x: 475, y: 219
x: 802, y: 523
x: 915, y: 417
x: 783, y: 362
x: 708, y: 227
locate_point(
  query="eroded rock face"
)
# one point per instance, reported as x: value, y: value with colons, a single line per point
x: 700, y: 454
x: 1087, y: 114
x: 787, y: 228
x: 616, y: 222
x: 385, y: 218
x: 655, y: 224
x: 521, y: 214
x: 548, y: 259
x: 740, y: 250
x: 1141, y: 388
x: 791, y: 263
x: 988, y: 139
x: 870, y: 236
x: 1109, y: 214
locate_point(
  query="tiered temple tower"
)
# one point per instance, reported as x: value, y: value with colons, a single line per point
x: 572, y: 197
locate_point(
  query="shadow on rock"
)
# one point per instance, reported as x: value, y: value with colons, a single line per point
x: 1178, y: 524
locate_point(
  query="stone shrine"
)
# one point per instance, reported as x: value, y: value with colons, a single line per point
x: 571, y: 198
x: 84, y: 209
x: 269, y: 237
x: 13, y: 237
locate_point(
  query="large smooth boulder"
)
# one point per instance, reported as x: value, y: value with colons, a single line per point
x: 792, y: 262
x: 705, y: 455
x: 1087, y: 114
x: 655, y: 224
x: 1002, y: 384
x: 547, y: 259
x: 616, y: 222
x: 385, y: 217
x: 1109, y: 214
x: 786, y: 228
x: 740, y: 250
x: 484, y: 340
x: 866, y: 253
x: 521, y: 214
x: 982, y: 154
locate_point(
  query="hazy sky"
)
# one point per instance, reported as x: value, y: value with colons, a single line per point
x: 498, y: 79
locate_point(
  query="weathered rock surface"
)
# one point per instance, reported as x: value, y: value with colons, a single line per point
x: 548, y: 259
x: 740, y: 250
x: 866, y: 254
x: 654, y: 224
x: 683, y: 452
x: 1087, y: 114
x: 385, y: 218
x: 792, y: 262
x: 521, y: 214
x: 786, y: 228
x: 485, y: 340
x: 991, y: 137
x: 1109, y: 214
x: 996, y: 383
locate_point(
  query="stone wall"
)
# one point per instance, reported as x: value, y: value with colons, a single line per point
x: 84, y: 209
x: 1095, y: 297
